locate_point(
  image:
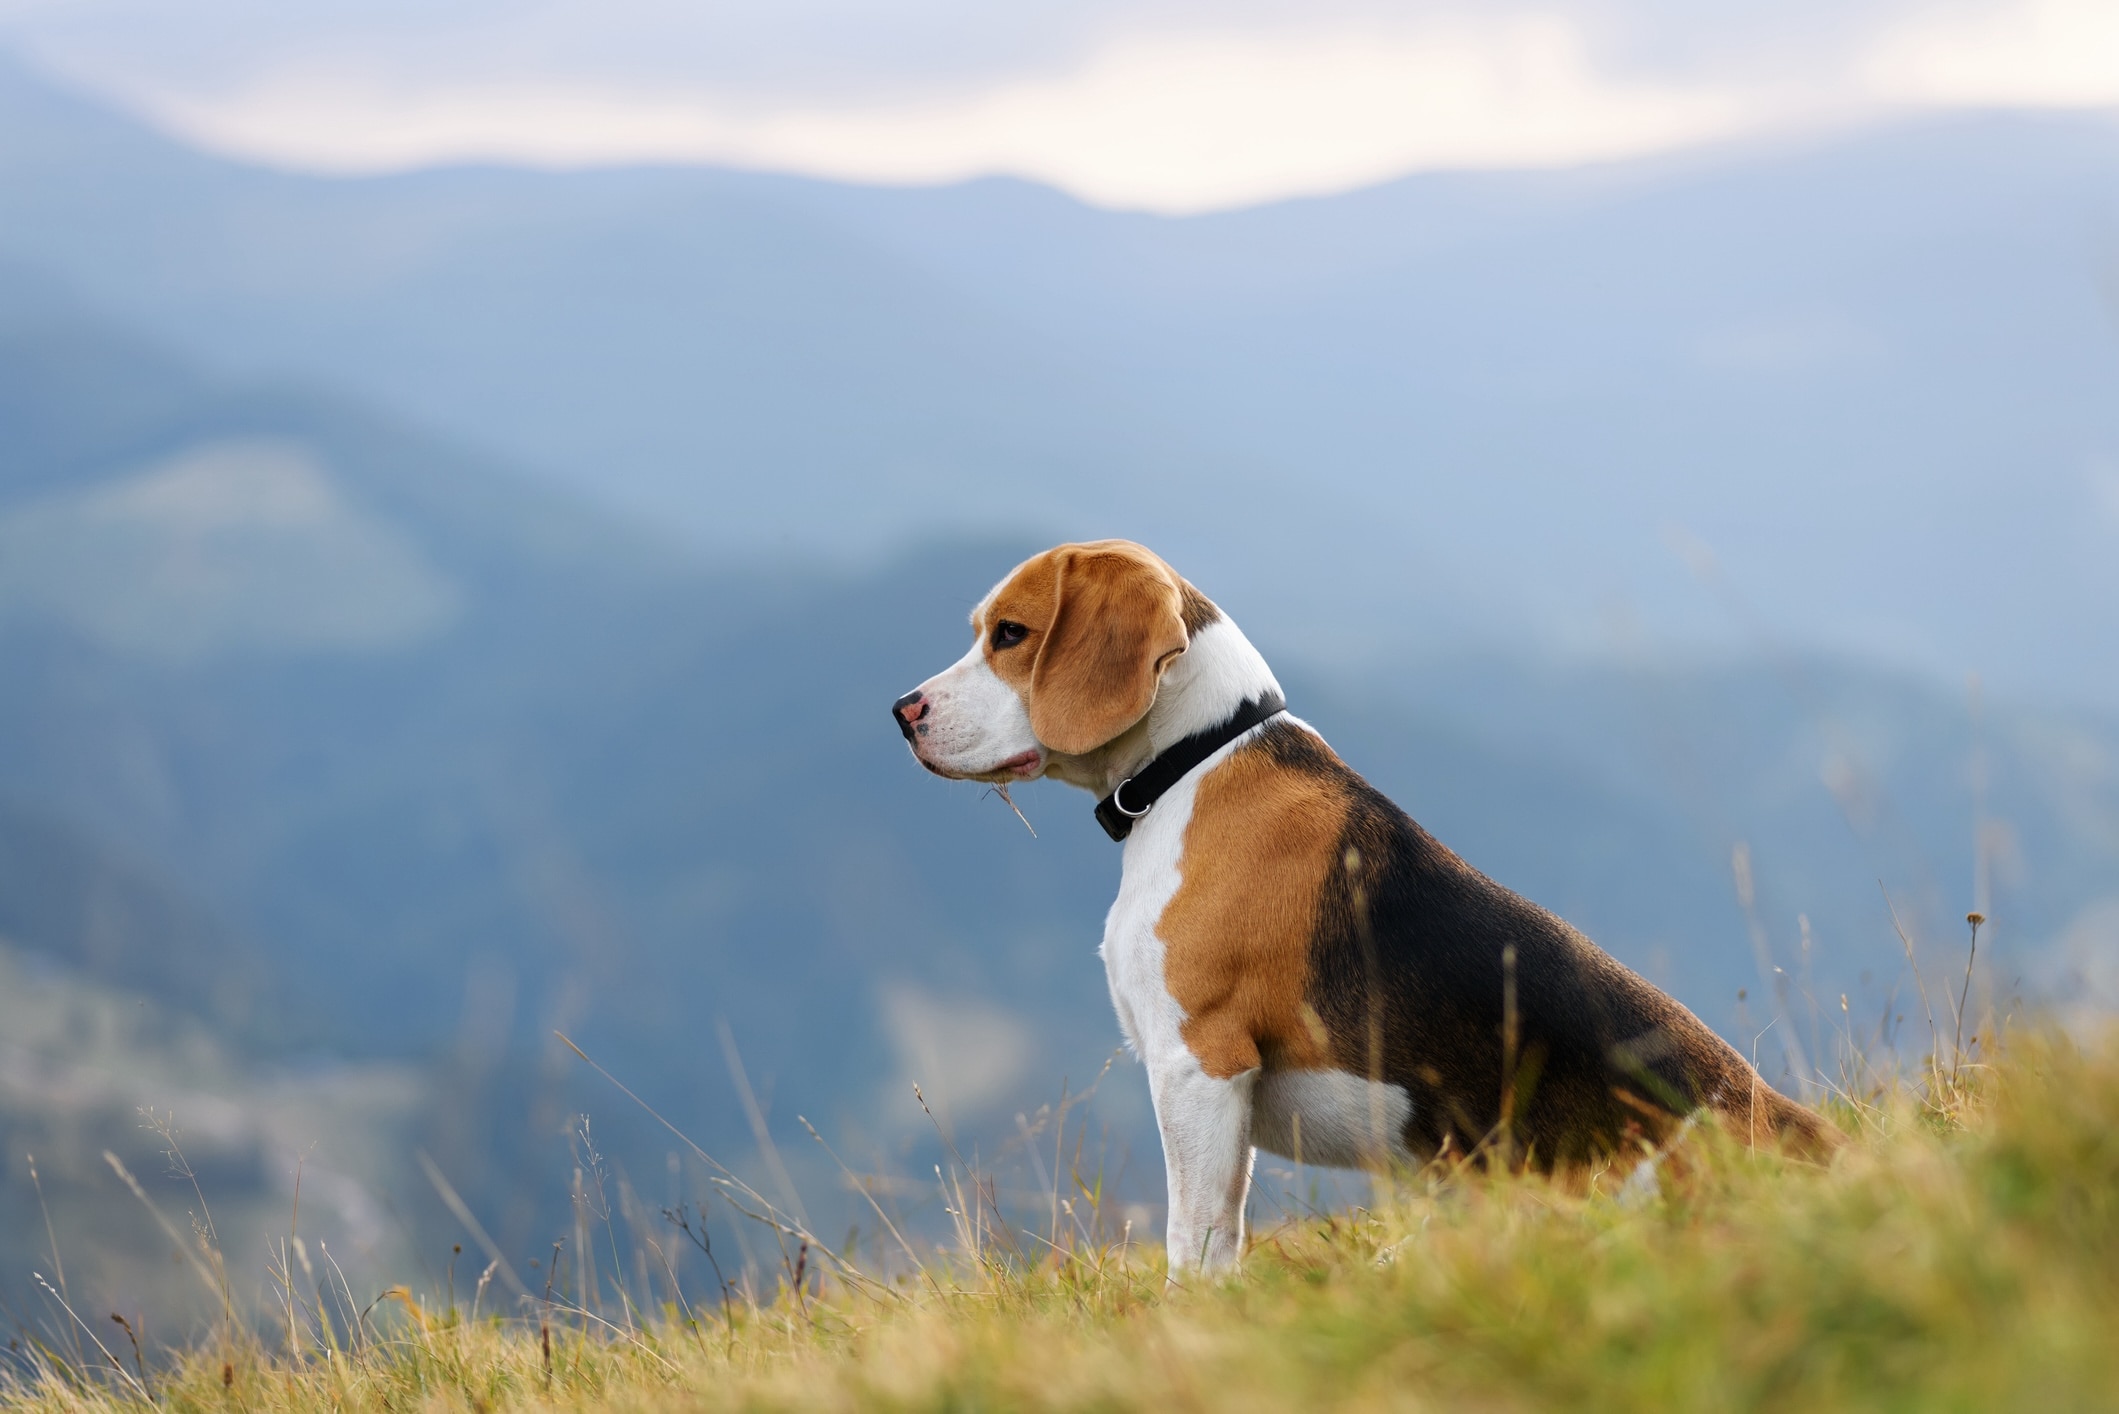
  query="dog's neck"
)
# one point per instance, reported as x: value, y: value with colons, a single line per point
x: 1216, y: 674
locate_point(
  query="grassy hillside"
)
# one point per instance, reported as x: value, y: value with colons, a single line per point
x: 1962, y: 1253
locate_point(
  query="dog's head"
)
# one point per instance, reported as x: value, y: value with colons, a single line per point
x: 1066, y: 656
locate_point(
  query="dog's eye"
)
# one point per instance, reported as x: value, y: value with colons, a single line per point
x: 1007, y: 634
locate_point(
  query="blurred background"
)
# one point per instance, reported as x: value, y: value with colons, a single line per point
x: 473, y: 476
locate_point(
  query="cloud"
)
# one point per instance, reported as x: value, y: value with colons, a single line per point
x: 2034, y: 53
x: 1167, y: 105
x: 1169, y: 123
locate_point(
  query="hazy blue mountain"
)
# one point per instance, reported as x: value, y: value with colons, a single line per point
x: 793, y: 383
x: 1875, y: 372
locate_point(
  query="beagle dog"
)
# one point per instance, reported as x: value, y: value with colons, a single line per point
x: 1298, y: 964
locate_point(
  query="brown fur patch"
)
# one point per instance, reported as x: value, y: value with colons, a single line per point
x: 1236, y: 936
x: 1195, y: 609
x: 1028, y: 597
x: 1103, y: 625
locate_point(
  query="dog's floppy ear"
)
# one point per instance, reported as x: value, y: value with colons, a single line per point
x: 1115, y: 627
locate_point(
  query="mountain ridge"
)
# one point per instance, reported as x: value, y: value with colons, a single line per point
x: 1477, y: 404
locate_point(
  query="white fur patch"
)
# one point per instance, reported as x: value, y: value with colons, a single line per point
x: 975, y: 722
x: 1218, y: 671
x: 1331, y: 1118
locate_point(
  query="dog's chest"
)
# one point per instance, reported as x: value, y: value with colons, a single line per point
x: 1134, y: 954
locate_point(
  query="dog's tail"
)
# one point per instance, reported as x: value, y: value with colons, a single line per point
x: 1759, y: 1115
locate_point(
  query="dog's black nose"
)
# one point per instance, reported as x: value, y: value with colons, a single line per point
x: 909, y: 709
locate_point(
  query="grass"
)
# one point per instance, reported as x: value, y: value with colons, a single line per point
x: 1963, y: 1253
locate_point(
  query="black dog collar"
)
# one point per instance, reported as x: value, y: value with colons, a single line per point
x: 1136, y: 795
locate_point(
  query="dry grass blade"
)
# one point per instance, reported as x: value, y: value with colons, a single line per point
x: 51, y: 1236
x: 726, y: 1178
x: 123, y: 1373
x: 205, y: 1273
x: 1913, y: 965
x: 1971, y: 956
x: 853, y: 1178
x: 1009, y: 801
x: 755, y: 1114
x: 463, y: 1214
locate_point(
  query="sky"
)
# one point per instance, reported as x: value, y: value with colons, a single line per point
x: 1165, y: 105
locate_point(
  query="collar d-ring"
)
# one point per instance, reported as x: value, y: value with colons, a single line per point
x: 1155, y: 779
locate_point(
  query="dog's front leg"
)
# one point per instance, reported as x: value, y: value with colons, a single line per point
x: 1206, y: 1134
